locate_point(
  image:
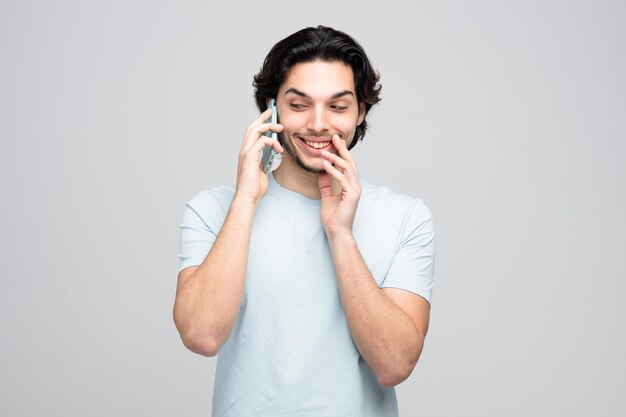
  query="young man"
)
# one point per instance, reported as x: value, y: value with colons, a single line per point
x: 313, y: 285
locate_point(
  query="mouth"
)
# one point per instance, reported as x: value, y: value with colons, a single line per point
x: 316, y: 146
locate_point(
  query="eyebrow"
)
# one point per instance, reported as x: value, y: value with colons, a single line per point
x: 334, y: 96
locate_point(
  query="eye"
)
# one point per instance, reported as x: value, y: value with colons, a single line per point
x: 297, y: 106
x: 337, y: 107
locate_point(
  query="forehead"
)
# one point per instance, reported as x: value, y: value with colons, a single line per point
x: 319, y: 79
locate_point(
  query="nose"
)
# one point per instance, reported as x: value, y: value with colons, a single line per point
x: 318, y: 120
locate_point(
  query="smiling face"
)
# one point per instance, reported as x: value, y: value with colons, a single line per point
x: 316, y: 101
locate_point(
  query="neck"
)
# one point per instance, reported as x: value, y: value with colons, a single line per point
x: 294, y: 178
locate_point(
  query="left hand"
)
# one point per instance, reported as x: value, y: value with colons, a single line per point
x: 338, y: 204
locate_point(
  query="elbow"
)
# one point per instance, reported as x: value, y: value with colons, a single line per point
x: 391, y: 378
x: 397, y: 372
x: 202, y: 345
x: 197, y: 340
x: 399, y: 369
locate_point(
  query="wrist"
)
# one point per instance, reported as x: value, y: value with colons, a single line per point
x: 342, y: 238
x: 243, y: 201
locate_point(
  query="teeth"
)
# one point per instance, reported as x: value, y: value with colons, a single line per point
x: 317, y: 145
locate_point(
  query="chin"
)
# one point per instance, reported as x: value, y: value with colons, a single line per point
x: 306, y: 163
x: 313, y: 168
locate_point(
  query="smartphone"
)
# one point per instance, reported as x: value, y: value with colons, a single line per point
x: 271, y: 159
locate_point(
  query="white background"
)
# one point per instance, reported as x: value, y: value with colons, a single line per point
x: 506, y: 118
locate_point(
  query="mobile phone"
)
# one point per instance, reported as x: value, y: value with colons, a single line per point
x: 271, y: 159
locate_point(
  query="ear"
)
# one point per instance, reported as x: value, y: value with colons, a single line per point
x: 361, y: 114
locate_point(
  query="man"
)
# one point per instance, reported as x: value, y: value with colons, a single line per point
x: 313, y: 285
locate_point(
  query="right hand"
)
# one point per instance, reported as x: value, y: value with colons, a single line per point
x: 252, y: 182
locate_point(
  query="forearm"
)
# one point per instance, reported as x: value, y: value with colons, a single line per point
x: 208, y: 303
x: 384, y: 334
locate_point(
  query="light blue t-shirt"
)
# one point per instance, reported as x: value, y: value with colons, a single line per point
x: 290, y: 352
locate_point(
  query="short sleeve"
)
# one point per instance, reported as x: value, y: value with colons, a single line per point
x: 413, y: 265
x: 203, y: 217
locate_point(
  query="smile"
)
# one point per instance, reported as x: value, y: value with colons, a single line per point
x: 316, y: 144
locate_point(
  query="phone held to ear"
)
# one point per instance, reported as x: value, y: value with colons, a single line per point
x: 271, y: 159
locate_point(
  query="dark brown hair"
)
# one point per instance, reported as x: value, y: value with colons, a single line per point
x: 324, y: 44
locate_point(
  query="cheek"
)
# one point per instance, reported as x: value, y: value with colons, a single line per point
x: 347, y: 128
x: 290, y: 126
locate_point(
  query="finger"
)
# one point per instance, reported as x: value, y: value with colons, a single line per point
x: 341, y: 178
x: 265, y: 127
x: 257, y: 131
x: 252, y: 157
x: 264, y: 141
x: 323, y: 181
x: 342, y: 148
x: 346, y: 168
x: 258, y: 121
x: 262, y: 117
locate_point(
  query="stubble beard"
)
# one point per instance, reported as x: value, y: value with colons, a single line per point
x: 287, y: 144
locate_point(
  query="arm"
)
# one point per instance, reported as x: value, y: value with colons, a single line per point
x: 388, y: 325
x: 208, y: 297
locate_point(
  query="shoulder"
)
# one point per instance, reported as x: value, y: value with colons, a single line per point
x: 391, y: 206
x: 220, y: 195
x: 212, y: 205
x: 395, y: 234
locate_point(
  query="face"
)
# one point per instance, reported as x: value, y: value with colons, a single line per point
x: 317, y: 100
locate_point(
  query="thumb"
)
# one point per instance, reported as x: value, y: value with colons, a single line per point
x: 323, y: 180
